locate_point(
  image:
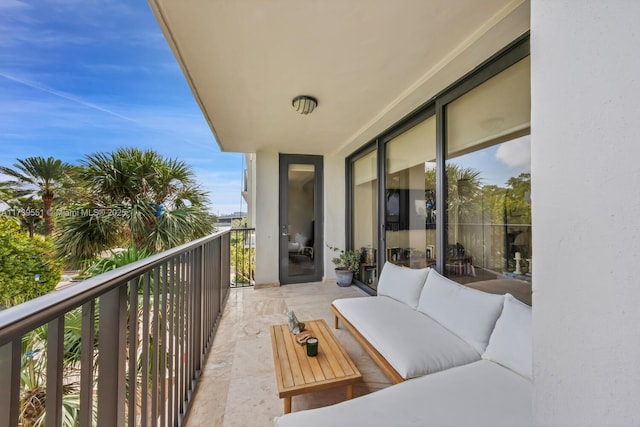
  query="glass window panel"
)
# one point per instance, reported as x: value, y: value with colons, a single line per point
x: 488, y: 168
x: 413, y: 147
x: 365, y: 215
x: 301, y: 209
x: 410, y: 196
x: 498, y: 108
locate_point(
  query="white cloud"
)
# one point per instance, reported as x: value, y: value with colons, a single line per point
x: 13, y: 5
x: 516, y: 153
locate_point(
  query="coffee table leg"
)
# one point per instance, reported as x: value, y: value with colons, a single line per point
x: 287, y: 405
x: 350, y: 392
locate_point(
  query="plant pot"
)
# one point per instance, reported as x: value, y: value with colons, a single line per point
x: 344, y: 277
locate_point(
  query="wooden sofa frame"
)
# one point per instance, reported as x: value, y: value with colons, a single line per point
x: 386, y: 367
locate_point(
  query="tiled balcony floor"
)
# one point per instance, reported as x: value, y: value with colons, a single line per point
x: 238, y: 385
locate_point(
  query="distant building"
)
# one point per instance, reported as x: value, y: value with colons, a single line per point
x: 227, y: 220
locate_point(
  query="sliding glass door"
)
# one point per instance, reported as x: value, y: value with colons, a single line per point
x: 449, y: 187
x: 488, y: 170
x: 364, y: 203
x: 410, y: 196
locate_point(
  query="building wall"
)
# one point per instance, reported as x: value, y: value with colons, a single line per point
x: 334, y: 210
x: 267, y: 233
x: 585, y: 165
x: 251, y: 185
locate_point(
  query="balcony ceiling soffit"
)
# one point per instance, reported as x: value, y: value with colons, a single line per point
x: 367, y: 62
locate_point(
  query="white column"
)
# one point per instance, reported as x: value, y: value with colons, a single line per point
x: 267, y: 221
x: 585, y: 80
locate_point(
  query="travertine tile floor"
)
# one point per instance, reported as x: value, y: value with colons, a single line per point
x: 238, y: 385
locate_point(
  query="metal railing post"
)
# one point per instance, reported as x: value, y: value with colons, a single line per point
x: 10, y: 378
x: 55, y: 354
x: 86, y: 364
x: 133, y: 351
x: 198, y: 310
x: 111, y: 358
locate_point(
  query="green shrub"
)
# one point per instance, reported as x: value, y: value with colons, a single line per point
x: 28, y: 266
x: 243, y: 258
x: 115, y: 260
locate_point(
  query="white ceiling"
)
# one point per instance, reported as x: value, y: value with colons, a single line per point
x: 368, y: 62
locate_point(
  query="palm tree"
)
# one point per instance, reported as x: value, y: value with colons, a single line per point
x: 6, y: 192
x: 42, y: 176
x: 28, y: 213
x: 135, y: 197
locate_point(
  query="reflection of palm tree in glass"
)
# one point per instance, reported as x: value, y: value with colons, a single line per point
x: 463, y: 185
x: 479, y: 215
x: 463, y: 188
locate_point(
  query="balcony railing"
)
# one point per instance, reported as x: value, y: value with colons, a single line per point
x: 144, y: 330
x: 243, y: 254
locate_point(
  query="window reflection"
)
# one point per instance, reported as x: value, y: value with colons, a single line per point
x: 487, y: 205
x: 489, y: 213
x: 301, y: 217
x: 410, y: 197
x: 488, y: 171
x: 365, y: 218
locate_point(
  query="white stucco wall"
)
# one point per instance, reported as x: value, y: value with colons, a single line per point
x: 586, y: 202
x: 249, y: 159
x: 334, y: 210
x: 267, y: 233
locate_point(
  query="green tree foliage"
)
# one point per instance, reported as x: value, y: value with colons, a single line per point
x: 6, y: 192
x: 243, y: 256
x: 518, y: 199
x: 28, y: 267
x: 29, y: 212
x: 33, y: 394
x: 468, y: 198
x: 115, y: 260
x: 463, y: 188
x: 134, y: 197
x: 44, y: 176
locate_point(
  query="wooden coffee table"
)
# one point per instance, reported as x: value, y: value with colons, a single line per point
x: 297, y: 373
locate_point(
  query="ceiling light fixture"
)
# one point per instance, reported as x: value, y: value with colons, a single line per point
x: 304, y: 104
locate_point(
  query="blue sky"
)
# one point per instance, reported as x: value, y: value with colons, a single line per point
x: 500, y: 162
x: 82, y: 76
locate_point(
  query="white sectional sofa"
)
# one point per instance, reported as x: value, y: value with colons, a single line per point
x: 466, y: 355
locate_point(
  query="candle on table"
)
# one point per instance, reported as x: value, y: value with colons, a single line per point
x: 312, y: 347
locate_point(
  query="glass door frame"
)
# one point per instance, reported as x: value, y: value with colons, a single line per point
x: 283, y: 218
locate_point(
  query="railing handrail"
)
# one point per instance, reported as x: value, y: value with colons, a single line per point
x: 38, y: 311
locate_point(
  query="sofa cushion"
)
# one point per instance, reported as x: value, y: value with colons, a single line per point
x: 466, y: 312
x: 481, y: 394
x: 510, y: 343
x: 401, y: 283
x: 413, y: 343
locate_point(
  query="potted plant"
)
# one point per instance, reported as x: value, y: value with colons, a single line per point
x: 347, y: 262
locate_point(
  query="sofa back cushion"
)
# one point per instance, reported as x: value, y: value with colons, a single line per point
x: 466, y: 312
x: 510, y: 344
x: 401, y: 283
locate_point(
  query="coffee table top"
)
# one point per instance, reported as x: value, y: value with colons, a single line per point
x: 297, y: 373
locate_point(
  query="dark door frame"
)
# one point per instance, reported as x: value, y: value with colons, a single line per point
x: 318, y: 223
